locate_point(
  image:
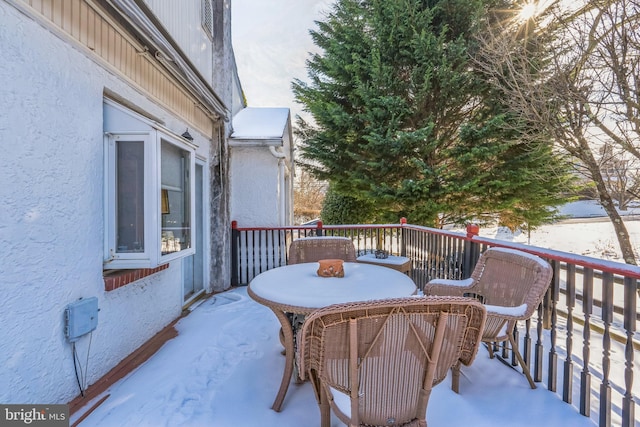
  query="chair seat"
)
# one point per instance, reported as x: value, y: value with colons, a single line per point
x: 499, y: 310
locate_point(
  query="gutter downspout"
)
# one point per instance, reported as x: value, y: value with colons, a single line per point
x: 281, y: 172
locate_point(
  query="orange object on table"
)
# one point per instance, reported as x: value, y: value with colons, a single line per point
x: 331, y: 268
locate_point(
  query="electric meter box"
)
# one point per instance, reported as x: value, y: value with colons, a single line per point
x: 81, y: 317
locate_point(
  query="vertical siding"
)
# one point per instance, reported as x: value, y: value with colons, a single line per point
x: 185, y: 22
x: 89, y: 27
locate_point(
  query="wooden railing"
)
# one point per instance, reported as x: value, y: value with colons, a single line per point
x: 583, y: 341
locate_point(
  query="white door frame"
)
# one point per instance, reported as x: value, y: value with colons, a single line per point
x: 205, y: 233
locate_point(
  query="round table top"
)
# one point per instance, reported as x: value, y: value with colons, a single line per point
x: 298, y: 285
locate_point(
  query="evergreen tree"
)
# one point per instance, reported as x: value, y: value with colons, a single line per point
x: 341, y: 209
x: 403, y: 121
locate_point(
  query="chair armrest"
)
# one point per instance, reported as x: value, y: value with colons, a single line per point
x: 448, y: 287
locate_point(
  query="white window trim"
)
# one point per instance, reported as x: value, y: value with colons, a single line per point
x: 151, y: 257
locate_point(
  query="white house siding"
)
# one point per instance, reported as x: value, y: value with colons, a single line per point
x: 184, y: 23
x: 255, y: 187
x: 51, y: 217
x: 261, y: 167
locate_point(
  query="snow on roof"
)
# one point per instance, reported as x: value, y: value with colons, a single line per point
x: 260, y: 123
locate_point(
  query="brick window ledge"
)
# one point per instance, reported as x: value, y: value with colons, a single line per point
x: 114, y: 279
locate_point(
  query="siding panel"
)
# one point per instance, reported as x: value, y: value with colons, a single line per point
x: 91, y: 28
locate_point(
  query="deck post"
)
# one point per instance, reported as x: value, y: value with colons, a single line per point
x: 235, y: 246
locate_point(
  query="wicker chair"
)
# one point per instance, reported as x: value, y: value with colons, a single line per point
x: 312, y: 249
x: 512, y: 284
x: 374, y: 363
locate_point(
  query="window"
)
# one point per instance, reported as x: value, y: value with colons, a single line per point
x: 148, y: 200
x: 176, y: 199
x: 207, y: 18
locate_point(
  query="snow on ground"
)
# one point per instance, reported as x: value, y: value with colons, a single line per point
x: 589, y: 232
x: 225, y: 367
x: 591, y: 208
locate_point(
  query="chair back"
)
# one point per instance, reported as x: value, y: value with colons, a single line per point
x: 313, y: 249
x: 377, y: 361
x: 512, y: 278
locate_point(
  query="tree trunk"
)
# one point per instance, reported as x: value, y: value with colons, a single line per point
x: 606, y: 201
x: 621, y: 230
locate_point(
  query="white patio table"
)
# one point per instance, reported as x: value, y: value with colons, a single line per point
x: 297, y: 290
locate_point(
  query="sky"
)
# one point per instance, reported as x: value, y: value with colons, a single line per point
x: 271, y: 43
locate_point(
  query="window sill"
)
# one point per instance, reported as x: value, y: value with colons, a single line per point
x: 114, y: 279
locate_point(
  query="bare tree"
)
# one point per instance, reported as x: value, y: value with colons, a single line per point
x: 308, y: 191
x: 574, y: 75
x: 308, y: 195
x: 621, y: 174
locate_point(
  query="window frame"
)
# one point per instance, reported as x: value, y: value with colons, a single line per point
x: 151, y: 255
x: 191, y: 191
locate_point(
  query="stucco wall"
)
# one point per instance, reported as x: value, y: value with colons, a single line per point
x: 51, y: 218
x: 254, y: 186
